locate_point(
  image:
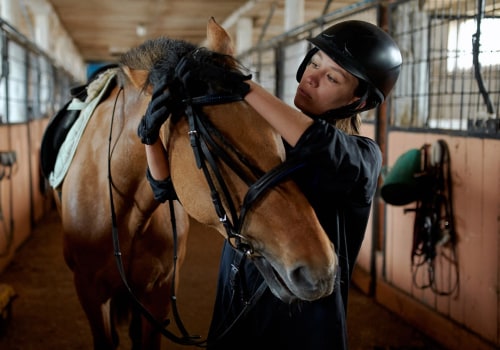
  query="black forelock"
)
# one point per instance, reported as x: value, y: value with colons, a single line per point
x: 164, y: 68
x: 158, y: 56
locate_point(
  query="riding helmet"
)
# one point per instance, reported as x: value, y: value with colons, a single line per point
x: 365, y: 51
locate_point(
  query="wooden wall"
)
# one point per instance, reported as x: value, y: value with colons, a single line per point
x: 365, y: 255
x: 22, y: 202
x: 468, y: 319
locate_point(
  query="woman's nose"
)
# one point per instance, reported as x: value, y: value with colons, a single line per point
x: 312, y: 79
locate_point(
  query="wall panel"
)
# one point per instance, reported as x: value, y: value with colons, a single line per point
x: 475, y: 172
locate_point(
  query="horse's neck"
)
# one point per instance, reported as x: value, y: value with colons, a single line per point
x: 250, y: 133
x: 245, y: 137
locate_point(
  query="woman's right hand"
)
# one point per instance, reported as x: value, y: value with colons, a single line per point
x: 156, y: 114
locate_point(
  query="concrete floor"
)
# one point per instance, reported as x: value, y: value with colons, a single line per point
x: 46, y: 313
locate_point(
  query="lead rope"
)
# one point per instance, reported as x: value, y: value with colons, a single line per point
x: 203, y: 155
x: 186, y: 339
x: 173, y: 297
x: 199, y: 139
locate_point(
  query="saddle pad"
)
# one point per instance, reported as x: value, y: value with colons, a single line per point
x: 95, y: 92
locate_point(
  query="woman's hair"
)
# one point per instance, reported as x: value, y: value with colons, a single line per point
x: 351, y: 125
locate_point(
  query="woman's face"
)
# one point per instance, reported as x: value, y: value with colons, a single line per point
x: 324, y: 86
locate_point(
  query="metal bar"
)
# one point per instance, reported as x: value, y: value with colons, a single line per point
x: 476, y: 43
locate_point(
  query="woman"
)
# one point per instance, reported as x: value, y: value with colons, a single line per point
x: 351, y: 68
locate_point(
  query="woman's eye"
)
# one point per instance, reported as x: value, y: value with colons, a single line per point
x: 313, y: 64
x: 331, y: 78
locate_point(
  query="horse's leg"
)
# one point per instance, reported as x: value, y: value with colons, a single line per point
x: 161, y: 300
x: 98, y: 314
x: 151, y: 274
x: 134, y: 331
x: 144, y: 334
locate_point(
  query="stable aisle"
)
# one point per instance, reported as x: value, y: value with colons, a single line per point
x: 47, y: 315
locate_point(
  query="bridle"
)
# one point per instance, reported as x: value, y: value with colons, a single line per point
x: 207, y: 151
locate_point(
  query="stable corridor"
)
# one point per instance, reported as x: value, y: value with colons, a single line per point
x: 46, y: 313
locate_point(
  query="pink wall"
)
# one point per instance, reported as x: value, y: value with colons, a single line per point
x: 467, y: 320
x: 21, y: 199
x: 364, y: 258
x: 475, y: 165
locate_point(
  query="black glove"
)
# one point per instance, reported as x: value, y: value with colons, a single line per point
x: 195, y: 76
x: 156, y: 114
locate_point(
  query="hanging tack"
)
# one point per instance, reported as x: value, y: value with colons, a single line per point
x: 436, y: 153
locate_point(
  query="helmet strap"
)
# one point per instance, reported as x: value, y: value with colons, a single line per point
x: 339, y: 113
x: 346, y: 111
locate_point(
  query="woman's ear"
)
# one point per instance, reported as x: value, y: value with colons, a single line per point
x: 361, y: 103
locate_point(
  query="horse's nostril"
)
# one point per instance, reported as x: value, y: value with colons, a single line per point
x: 319, y: 282
x: 301, y: 276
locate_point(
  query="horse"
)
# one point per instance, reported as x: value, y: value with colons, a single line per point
x: 105, y: 190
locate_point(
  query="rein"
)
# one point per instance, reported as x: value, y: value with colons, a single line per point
x: 185, y: 339
x: 206, y: 152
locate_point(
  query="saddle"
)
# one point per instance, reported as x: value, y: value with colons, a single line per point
x: 60, y: 124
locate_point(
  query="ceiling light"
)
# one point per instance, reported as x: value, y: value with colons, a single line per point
x: 141, y: 30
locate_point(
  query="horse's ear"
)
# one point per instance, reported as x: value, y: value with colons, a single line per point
x: 137, y: 77
x: 218, y: 39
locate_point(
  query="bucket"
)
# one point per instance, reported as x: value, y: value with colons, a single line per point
x: 401, y: 185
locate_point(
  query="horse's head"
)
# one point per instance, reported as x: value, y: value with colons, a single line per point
x: 220, y: 180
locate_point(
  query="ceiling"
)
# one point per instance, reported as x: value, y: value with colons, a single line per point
x: 104, y: 29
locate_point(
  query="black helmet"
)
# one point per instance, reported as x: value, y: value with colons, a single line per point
x: 365, y: 51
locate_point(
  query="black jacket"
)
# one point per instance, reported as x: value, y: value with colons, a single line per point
x: 339, y: 180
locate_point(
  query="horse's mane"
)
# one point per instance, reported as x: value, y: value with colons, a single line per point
x: 149, y: 54
x: 160, y: 57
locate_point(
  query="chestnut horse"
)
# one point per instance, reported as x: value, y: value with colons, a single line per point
x: 276, y: 225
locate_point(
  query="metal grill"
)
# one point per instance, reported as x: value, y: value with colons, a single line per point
x: 31, y: 86
x: 450, y: 77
